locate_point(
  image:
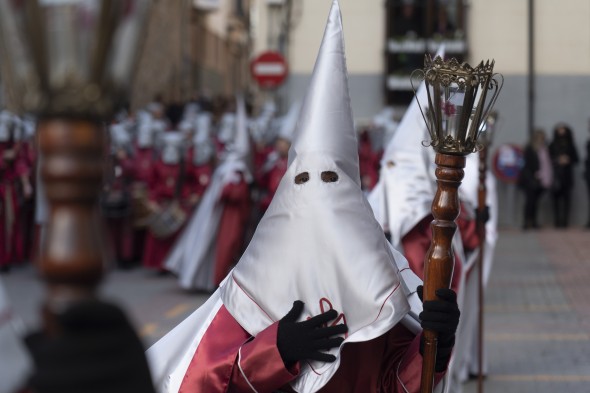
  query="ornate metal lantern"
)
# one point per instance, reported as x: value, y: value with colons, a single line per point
x: 70, y: 62
x: 460, y: 97
x: 70, y: 57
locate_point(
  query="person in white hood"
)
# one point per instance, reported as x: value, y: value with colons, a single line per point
x: 271, y: 173
x: 317, y: 249
x: 213, y: 239
x: 166, y: 187
x: 200, y: 160
x: 402, y: 198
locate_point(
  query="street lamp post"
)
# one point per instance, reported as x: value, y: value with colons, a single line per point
x: 459, y: 97
x: 70, y: 61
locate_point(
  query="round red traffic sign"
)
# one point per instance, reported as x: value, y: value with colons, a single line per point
x: 269, y: 69
x: 507, y: 162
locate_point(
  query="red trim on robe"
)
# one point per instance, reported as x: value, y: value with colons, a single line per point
x: 385, y: 364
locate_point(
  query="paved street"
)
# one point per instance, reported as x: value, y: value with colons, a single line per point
x: 537, y: 312
x: 155, y: 304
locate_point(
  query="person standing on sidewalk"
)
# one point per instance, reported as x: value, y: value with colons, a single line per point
x: 536, y: 176
x: 587, y: 174
x: 564, y: 156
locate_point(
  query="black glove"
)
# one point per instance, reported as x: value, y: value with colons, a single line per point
x: 303, y: 340
x: 483, y: 215
x: 441, y: 316
x: 96, y: 351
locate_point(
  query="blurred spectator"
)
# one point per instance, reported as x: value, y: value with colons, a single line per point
x: 587, y: 174
x: 536, y: 176
x: 564, y: 156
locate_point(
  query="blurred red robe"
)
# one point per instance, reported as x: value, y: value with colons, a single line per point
x: 197, y: 178
x: 270, y: 181
x: 162, y: 189
x: 235, y: 198
x: 417, y: 241
x: 120, y: 229
x: 11, y: 171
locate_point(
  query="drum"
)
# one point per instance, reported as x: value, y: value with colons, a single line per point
x: 167, y: 221
x: 140, y: 208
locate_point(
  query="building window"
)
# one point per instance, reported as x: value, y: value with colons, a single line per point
x: 416, y: 27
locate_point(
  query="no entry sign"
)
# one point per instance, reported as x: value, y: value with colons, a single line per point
x: 507, y: 162
x: 269, y: 69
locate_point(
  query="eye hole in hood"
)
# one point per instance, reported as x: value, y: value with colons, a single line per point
x: 329, y: 177
x: 302, y: 178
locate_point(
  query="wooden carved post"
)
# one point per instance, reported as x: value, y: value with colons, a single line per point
x: 440, y: 261
x: 71, y: 259
x: 481, y: 232
x: 71, y: 102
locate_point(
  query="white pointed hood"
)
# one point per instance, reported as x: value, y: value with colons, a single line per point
x: 227, y: 127
x: 289, y: 122
x: 327, y: 105
x: 119, y: 135
x: 172, y: 147
x: 237, y: 154
x: 203, y: 147
x: 318, y: 241
x: 403, y: 196
x: 203, y: 127
x: 239, y: 148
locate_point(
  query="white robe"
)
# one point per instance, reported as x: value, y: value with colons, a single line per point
x: 15, y: 362
x: 465, y: 357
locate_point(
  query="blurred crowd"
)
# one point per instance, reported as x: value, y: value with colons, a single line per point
x: 161, y: 160
x: 549, y: 169
x: 17, y: 178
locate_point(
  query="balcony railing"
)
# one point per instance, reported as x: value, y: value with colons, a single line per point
x: 421, y: 45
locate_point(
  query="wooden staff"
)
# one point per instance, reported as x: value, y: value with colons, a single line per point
x: 71, y: 259
x: 481, y: 232
x: 439, y: 262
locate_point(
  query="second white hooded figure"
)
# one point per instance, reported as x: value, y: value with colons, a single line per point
x: 213, y: 238
x: 316, y: 302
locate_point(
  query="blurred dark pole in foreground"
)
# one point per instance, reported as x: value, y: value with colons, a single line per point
x: 70, y: 63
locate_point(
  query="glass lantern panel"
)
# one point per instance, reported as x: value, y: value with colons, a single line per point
x: 75, y: 30
x: 127, y: 39
x: 71, y: 29
x: 452, y: 110
x: 79, y: 33
x: 450, y: 103
x: 18, y: 66
x: 65, y: 40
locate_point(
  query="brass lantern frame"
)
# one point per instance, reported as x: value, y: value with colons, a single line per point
x: 476, y: 83
x: 90, y: 94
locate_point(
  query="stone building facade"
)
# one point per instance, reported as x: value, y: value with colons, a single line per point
x: 189, y: 48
